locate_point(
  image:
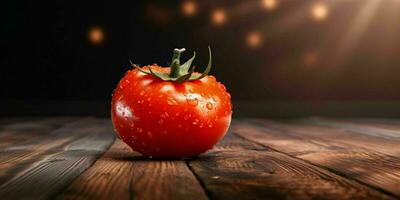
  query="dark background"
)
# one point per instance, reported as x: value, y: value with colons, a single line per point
x: 348, y: 61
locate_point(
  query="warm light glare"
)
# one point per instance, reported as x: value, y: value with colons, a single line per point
x: 319, y: 12
x: 269, y: 4
x: 189, y: 8
x: 254, y: 39
x: 96, y: 35
x: 218, y: 17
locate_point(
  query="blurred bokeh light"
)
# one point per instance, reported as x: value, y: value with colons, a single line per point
x: 254, y: 39
x: 218, y: 16
x: 189, y: 8
x: 270, y: 4
x: 319, y: 11
x: 96, y: 35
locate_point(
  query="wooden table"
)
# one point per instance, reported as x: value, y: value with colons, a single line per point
x: 313, y: 158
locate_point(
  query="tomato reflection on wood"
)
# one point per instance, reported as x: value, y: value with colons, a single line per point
x: 171, y: 111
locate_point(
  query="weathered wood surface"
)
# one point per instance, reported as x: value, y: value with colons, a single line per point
x: 361, y: 157
x: 259, y: 173
x: 315, y: 158
x: 123, y: 174
x: 44, y: 166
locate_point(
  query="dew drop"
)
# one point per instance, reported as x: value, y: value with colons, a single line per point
x: 141, y: 93
x: 192, y: 102
x: 210, y: 125
x: 209, y: 106
x: 201, y: 125
x: 221, y: 86
x: 166, y: 114
x: 172, y: 101
x: 195, y: 122
x: 150, y: 134
x: 149, y: 99
x: 139, y: 130
x: 179, y: 125
x: 160, y: 122
x: 186, y: 117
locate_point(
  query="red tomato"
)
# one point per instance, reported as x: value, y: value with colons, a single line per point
x: 166, y: 118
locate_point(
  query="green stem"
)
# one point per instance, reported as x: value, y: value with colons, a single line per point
x: 176, y: 63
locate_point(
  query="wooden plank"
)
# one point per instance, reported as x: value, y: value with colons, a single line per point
x: 232, y: 142
x: 18, y: 157
x: 359, y: 128
x: 344, y: 137
x: 390, y: 124
x: 77, y: 146
x: 329, y: 149
x: 19, y: 130
x: 268, y: 174
x: 123, y: 174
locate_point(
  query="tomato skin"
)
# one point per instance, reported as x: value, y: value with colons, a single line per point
x: 167, y: 119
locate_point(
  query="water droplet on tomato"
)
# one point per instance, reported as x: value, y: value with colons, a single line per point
x: 195, y: 122
x: 171, y: 101
x: 150, y: 134
x: 141, y: 93
x: 186, y: 117
x: 166, y: 114
x: 179, y: 125
x: 149, y: 99
x: 210, y: 125
x: 221, y: 86
x: 201, y: 125
x: 160, y: 121
x: 209, y: 106
x: 192, y: 102
x: 139, y: 130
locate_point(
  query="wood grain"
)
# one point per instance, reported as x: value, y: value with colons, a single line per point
x: 359, y: 128
x: 57, y: 159
x: 337, y: 150
x: 123, y: 174
x: 267, y: 174
x: 17, y: 130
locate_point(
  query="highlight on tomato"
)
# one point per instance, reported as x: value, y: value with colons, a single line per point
x: 171, y: 111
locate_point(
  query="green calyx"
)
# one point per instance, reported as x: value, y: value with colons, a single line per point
x: 179, y: 73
